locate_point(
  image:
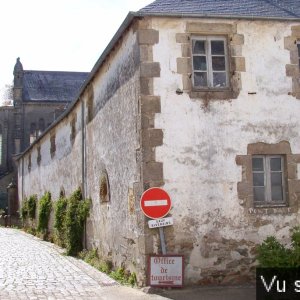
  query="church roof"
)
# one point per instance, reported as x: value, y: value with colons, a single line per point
x: 52, y: 85
x: 274, y: 9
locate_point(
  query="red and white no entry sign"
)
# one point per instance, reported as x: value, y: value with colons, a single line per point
x: 155, y: 203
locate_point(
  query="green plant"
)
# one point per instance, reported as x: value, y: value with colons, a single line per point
x: 76, y: 213
x: 124, y: 277
x: 45, y: 206
x: 91, y: 257
x: 31, y: 206
x: 59, y: 221
x: 272, y: 254
x: 24, y: 210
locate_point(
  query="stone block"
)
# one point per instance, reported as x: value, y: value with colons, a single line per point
x: 294, y: 186
x: 186, y: 50
x: 146, y: 86
x: 148, y: 36
x: 209, y: 28
x: 153, y: 171
x: 236, y: 50
x: 184, y: 65
x: 187, y: 82
x: 289, y: 43
x: 292, y: 70
x: 150, y: 104
x: 150, y: 69
x: 155, y: 137
x: 146, y: 53
x: 237, y: 39
x: 269, y: 149
x: 182, y: 38
x: 239, y: 64
x: 296, y: 31
x: 294, y: 56
x: 152, y: 137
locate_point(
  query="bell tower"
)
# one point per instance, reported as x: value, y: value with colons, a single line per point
x: 18, y: 82
x: 18, y: 101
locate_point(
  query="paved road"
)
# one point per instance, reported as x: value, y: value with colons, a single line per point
x: 34, y: 269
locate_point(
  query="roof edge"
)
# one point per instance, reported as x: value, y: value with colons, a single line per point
x: 127, y: 21
x: 197, y: 15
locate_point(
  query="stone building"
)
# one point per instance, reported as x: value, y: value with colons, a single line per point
x: 201, y: 98
x: 39, y: 98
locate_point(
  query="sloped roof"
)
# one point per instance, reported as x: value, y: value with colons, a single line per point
x: 52, y: 85
x: 277, y: 9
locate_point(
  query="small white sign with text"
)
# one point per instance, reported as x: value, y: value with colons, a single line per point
x: 160, y: 222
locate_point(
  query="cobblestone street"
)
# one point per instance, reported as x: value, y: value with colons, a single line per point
x: 34, y: 269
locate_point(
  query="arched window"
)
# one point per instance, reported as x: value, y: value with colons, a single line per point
x: 32, y: 132
x: 41, y: 125
x: 104, y: 187
x: 0, y: 145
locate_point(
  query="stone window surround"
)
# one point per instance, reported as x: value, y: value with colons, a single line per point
x: 235, y: 59
x: 73, y: 127
x: 245, y: 187
x: 52, y: 144
x: 293, y: 69
x: 90, y: 103
x: 39, y: 156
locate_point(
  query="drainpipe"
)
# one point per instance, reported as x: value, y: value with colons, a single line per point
x: 83, y: 164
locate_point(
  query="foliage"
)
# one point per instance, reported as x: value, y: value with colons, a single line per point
x: 76, y: 214
x: 91, y: 257
x: 28, y: 208
x: 45, y: 206
x: 31, y: 206
x: 272, y: 254
x: 59, y: 221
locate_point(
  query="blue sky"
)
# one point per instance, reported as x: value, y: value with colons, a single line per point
x: 66, y: 35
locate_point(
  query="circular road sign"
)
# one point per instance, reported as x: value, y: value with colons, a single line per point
x: 155, y: 203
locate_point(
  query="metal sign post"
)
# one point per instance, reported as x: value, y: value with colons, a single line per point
x: 162, y: 241
x: 155, y: 204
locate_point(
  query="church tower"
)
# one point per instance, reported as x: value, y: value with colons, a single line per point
x: 18, y: 99
x: 18, y: 82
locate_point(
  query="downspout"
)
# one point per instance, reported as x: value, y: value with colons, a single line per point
x: 83, y: 164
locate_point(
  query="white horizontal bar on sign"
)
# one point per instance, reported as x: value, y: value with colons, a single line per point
x: 156, y: 202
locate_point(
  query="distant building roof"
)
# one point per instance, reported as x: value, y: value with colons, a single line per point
x: 275, y: 9
x: 52, y: 85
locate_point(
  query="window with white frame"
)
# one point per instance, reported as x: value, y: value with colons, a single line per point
x: 268, y: 180
x: 210, y: 62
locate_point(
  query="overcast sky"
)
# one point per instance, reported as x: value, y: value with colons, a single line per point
x: 62, y: 35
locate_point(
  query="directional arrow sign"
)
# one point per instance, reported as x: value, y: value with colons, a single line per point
x: 155, y: 203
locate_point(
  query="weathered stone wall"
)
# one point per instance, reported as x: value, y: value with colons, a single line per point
x: 206, y: 142
x: 99, y: 136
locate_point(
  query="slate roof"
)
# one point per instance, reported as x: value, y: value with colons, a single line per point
x: 52, y: 86
x: 256, y: 9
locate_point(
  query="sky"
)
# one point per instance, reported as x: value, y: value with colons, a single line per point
x: 58, y: 35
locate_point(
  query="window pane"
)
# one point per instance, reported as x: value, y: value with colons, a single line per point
x: 257, y: 164
x: 217, y: 47
x: 218, y: 63
x: 276, y: 164
x: 200, y: 79
x: 276, y: 179
x: 259, y: 194
x: 219, y: 79
x: 199, y: 63
x: 258, y: 179
x: 199, y: 47
x: 277, y: 193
